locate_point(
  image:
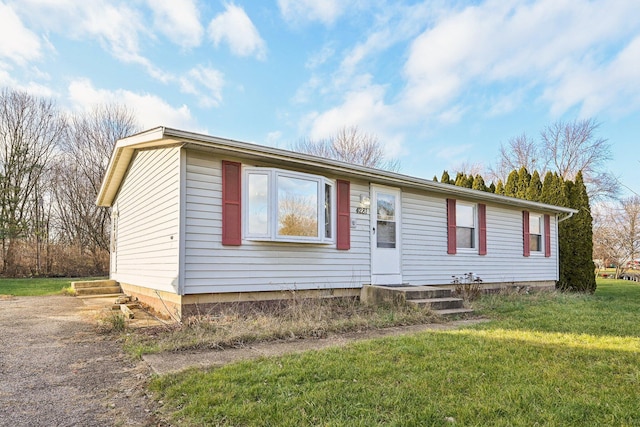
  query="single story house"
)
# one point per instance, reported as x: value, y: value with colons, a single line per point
x: 200, y: 220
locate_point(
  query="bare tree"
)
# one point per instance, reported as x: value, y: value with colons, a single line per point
x: 352, y: 146
x: 616, y: 232
x: 80, y: 171
x: 565, y: 148
x: 574, y: 146
x: 470, y: 169
x: 30, y: 130
x: 519, y: 151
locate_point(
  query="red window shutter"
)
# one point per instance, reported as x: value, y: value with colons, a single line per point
x: 482, y: 229
x: 451, y: 226
x: 231, y: 204
x: 525, y: 233
x: 343, y: 223
x: 547, y: 236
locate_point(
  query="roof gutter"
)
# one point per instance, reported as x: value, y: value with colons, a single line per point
x: 162, y: 136
x: 569, y: 215
x: 386, y: 177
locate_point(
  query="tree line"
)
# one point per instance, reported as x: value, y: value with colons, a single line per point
x: 51, y: 168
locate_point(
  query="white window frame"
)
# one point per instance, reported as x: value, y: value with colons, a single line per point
x: 272, y: 206
x: 474, y: 216
x: 540, y: 235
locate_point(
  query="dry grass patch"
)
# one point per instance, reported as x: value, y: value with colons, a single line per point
x: 111, y: 322
x: 238, y: 325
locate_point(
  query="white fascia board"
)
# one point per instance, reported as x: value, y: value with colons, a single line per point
x: 121, y: 157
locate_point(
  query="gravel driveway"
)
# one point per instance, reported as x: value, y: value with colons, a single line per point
x: 56, y: 370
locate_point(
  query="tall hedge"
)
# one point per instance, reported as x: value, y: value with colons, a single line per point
x: 576, y: 256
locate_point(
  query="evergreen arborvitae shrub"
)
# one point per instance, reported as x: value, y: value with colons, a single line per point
x: 576, y: 265
x: 511, y: 187
x: 534, y: 190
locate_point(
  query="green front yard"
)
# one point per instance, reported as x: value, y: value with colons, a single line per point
x: 36, y: 286
x: 544, y: 359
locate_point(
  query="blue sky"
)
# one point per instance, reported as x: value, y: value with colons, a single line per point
x: 442, y: 84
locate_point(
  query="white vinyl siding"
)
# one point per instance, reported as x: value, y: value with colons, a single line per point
x: 424, y: 251
x: 211, y: 267
x: 148, y: 206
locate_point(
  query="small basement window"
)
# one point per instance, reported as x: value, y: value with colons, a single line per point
x: 288, y: 206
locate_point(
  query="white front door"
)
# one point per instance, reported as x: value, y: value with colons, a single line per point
x: 385, y: 236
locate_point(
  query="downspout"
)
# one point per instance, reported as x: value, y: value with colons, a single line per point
x: 569, y: 215
x: 565, y: 218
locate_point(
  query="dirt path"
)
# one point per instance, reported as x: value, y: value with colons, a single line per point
x: 56, y: 370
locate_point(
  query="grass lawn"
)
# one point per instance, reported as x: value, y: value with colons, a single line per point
x: 544, y: 359
x: 37, y: 286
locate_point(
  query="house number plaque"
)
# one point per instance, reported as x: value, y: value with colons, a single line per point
x: 363, y: 211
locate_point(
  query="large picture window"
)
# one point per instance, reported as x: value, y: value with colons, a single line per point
x: 288, y: 206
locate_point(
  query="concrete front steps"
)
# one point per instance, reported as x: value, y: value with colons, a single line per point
x: 97, y: 288
x: 438, y: 300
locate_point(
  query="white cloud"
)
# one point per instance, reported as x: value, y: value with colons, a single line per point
x: 300, y: 11
x: 556, y: 47
x: 305, y: 92
x: 274, y: 139
x: 117, y: 27
x: 17, y: 43
x: 364, y: 108
x: 178, y: 20
x: 614, y: 86
x: 234, y: 27
x: 32, y: 87
x: 395, y: 24
x: 452, y: 115
x: 490, y: 57
x: 318, y: 58
x: 150, y: 110
x: 453, y: 152
x: 211, y: 79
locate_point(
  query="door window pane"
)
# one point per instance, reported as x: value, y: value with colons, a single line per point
x: 297, y: 207
x: 386, y: 234
x: 386, y: 207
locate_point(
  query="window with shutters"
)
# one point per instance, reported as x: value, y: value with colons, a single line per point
x: 282, y: 205
x: 466, y: 227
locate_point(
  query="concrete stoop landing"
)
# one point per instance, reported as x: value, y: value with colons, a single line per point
x: 97, y: 288
x: 439, y: 300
